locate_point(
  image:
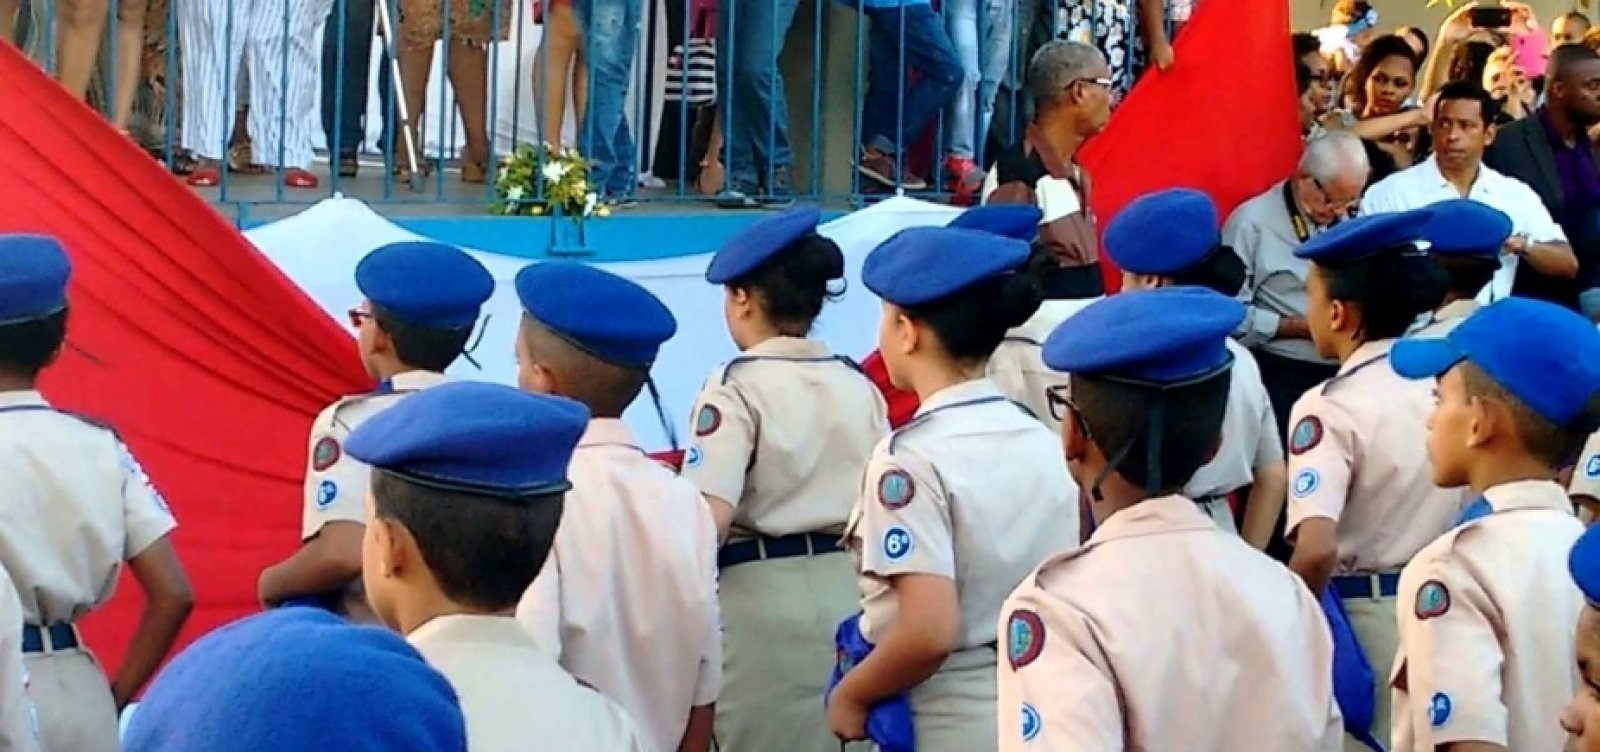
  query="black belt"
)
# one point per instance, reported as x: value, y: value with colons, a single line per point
x: 1384, y: 585
x: 781, y: 547
x: 62, y: 637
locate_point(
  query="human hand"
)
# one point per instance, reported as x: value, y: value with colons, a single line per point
x: 1522, y: 18
x: 1457, y: 25
x: 847, y: 717
x: 1161, y: 55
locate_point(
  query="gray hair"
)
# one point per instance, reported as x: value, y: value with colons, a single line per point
x: 1334, y: 155
x: 1059, y: 64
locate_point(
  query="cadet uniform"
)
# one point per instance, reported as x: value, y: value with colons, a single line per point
x: 1461, y: 228
x: 74, y: 505
x: 1162, y: 632
x: 420, y: 284
x: 628, y: 598
x: 783, y: 433
x: 1486, y: 638
x: 19, y: 725
x: 298, y: 679
x: 973, y: 490
x: 1358, y: 456
x: 485, y: 441
x: 1174, y: 233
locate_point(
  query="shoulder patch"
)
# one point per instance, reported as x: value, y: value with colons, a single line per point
x: 898, y: 543
x: 1024, y: 638
x: 1591, y: 468
x: 707, y: 421
x: 327, y: 491
x: 896, y: 489
x: 1439, y: 709
x: 1306, y: 483
x: 131, y: 464
x: 1433, y: 600
x: 325, y: 453
x: 1307, y: 434
x: 1030, y: 723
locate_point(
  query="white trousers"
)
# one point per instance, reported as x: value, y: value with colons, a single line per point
x: 275, y: 40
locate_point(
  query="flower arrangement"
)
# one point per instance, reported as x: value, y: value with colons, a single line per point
x: 543, y: 180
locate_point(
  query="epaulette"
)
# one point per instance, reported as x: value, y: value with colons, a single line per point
x: 1338, y: 378
x: 727, y: 369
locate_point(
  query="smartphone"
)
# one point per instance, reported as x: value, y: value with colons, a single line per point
x: 1489, y: 18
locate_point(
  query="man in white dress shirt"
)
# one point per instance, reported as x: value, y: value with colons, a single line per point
x: 1463, y: 127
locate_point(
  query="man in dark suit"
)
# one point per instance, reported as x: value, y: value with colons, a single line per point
x: 1551, y: 151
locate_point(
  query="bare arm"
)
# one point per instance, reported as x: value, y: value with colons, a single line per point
x: 1315, y: 552
x: 1265, y: 508
x: 923, y: 635
x: 1552, y: 259
x: 721, y: 513
x: 168, y: 599
x: 1153, y: 28
x: 326, y: 563
x: 697, y: 735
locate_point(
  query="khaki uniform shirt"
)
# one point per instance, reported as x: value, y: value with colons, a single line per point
x: 1586, y: 476
x: 1249, y: 434
x: 974, y: 490
x: 1264, y: 232
x: 1486, y: 614
x: 1358, y: 455
x: 1165, y: 633
x: 19, y: 727
x: 74, y: 505
x: 1018, y: 368
x: 514, y: 696
x: 628, y: 598
x: 782, y: 433
x: 336, y: 483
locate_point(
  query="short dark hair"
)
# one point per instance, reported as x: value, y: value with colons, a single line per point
x: 1222, y: 271
x: 1116, y: 415
x: 606, y: 388
x: 427, y: 348
x: 1390, y: 289
x: 1416, y: 31
x: 1563, y: 57
x: 1470, y: 91
x: 1570, y: 14
x: 1305, y: 44
x: 1466, y: 276
x: 792, y: 285
x: 971, y: 324
x: 27, y: 347
x: 483, y: 551
x: 1551, y: 444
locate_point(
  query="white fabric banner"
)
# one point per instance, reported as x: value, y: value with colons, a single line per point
x: 320, y: 247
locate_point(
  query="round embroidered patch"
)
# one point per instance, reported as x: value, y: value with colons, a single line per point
x: 324, y: 454
x: 897, y: 543
x: 1306, y: 483
x: 1433, y: 600
x: 1030, y: 723
x: 1306, y: 436
x: 1591, y: 468
x: 895, y: 489
x: 707, y: 421
x: 1439, y: 709
x: 327, y: 491
x: 1024, y: 638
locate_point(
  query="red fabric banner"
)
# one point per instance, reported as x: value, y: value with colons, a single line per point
x: 208, y: 361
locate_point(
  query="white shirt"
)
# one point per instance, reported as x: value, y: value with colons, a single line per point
x: 1423, y: 185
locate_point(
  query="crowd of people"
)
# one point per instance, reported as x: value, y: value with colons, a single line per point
x: 1320, y: 476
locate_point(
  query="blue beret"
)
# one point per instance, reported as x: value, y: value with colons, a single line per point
x: 477, y: 438
x: 33, y: 277
x: 1160, y: 337
x: 298, y: 678
x: 1463, y: 227
x: 922, y: 264
x: 761, y: 241
x: 626, y: 329
x: 1366, y: 236
x: 1017, y: 221
x: 425, y: 284
x: 1555, y: 373
x: 1163, y: 234
x: 1584, y: 564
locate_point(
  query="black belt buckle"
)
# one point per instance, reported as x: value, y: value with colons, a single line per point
x: 1362, y: 585
x: 62, y: 637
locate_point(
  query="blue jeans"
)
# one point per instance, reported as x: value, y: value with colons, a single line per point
x: 899, y: 40
x: 753, y: 103
x: 610, y: 38
x: 344, y: 87
x: 983, y: 47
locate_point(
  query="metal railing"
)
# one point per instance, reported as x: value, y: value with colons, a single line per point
x: 732, y: 102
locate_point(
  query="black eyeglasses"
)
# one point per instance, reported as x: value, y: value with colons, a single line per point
x: 1061, y: 404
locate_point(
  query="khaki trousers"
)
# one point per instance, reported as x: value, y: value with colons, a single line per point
x: 1378, y: 631
x: 778, y: 621
x: 955, y: 708
x: 73, y: 700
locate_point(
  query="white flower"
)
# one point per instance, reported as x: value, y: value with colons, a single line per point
x: 554, y: 171
x: 515, y: 194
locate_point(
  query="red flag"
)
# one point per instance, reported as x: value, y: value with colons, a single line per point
x: 208, y: 361
x: 1224, y: 119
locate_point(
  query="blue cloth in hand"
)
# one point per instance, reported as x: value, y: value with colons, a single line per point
x: 1353, y: 683
x: 890, y: 724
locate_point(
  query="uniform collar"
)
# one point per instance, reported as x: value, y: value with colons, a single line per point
x: 1457, y: 309
x: 1365, y: 354
x: 477, y: 628
x: 23, y: 398
x: 1483, y: 182
x: 1164, y: 514
x: 966, y: 391
x: 411, y: 381
x: 608, y: 432
x: 1528, y: 494
x: 789, y: 347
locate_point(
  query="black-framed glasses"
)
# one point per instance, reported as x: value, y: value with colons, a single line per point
x: 1059, y: 397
